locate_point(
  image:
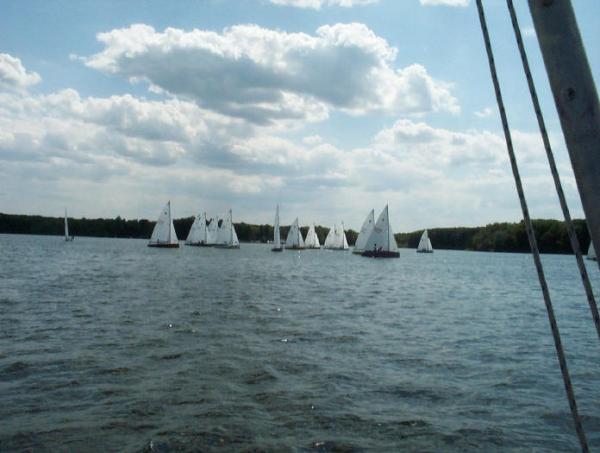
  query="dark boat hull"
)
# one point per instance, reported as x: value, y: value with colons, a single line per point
x: 380, y: 254
x: 277, y: 249
x: 164, y: 246
x: 424, y: 251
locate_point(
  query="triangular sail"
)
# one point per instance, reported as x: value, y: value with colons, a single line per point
x: 330, y: 239
x: 425, y: 243
x: 382, y: 236
x: 591, y: 252
x: 365, y: 231
x: 343, y: 241
x: 312, y: 240
x: 294, y: 237
x: 164, y: 230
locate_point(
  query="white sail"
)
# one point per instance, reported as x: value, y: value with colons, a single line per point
x: 330, y: 238
x: 294, y: 238
x: 312, y: 240
x: 197, y: 234
x: 276, y: 232
x: 591, y: 254
x: 365, y: 231
x: 382, y: 236
x: 343, y: 241
x: 164, y: 230
x: 336, y: 238
x: 226, y: 235
x: 67, y: 237
x: 425, y: 243
x: 211, y: 231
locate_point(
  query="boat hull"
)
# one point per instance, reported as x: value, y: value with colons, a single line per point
x: 198, y: 244
x: 424, y: 251
x: 380, y: 254
x: 164, y: 246
x: 277, y: 249
x: 220, y: 246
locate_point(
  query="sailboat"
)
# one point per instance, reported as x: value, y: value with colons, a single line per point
x: 591, y: 254
x: 312, y: 240
x: 164, y: 235
x: 365, y: 231
x: 381, y: 242
x: 425, y: 244
x: 277, y: 247
x: 294, y: 238
x: 226, y: 235
x: 67, y: 237
x: 336, y: 238
x: 198, y: 231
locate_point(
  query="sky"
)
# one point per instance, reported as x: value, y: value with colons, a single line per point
x: 328, y: 108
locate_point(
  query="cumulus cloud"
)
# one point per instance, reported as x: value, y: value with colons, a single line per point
x: 13, y: 75
x: 445, y: 2
x: 264, y: 75
x: 317, y: 4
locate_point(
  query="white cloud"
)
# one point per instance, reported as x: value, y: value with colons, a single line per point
x: 484, y: 113
x: 317, y: 4
x: 13, y: 75
x: 124, y: 154
x: 264, y: 76
x: 445, y: 2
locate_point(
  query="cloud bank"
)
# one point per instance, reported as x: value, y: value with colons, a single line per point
x: 264, y: 75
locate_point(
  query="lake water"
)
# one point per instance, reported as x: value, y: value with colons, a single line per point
x: 108, y: 345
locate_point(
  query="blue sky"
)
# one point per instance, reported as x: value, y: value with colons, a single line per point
x: 111, y: 108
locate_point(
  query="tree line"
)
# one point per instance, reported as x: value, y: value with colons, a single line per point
x: 551, y: 237
x: 496, y: 237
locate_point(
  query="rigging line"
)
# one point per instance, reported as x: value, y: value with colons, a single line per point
x: 561, y: 195
x: 531, y: 236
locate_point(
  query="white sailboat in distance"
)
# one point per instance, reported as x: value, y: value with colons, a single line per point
x: 277, y: 247
x: 197, y: 234
x: 294, y: 238
x: 365, y: 231
x: 312, y: 240
x: 381, y: 242
x: 226, y: 235
x: 67, y: 237
x: 164, y: 235
x: 336, y: 238
x: 425, y: 244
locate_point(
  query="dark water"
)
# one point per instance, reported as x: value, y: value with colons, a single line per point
x: 108, y: 345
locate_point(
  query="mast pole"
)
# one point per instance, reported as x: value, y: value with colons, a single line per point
x: 575, y: 97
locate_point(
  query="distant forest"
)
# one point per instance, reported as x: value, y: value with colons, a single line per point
x: 497, y: 237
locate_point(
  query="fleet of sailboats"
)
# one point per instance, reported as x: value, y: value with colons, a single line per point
x: 67, y: 237
x: 425, y: 244
x: 164, y: 235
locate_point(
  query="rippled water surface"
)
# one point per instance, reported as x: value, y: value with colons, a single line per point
x: 108, y: 345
